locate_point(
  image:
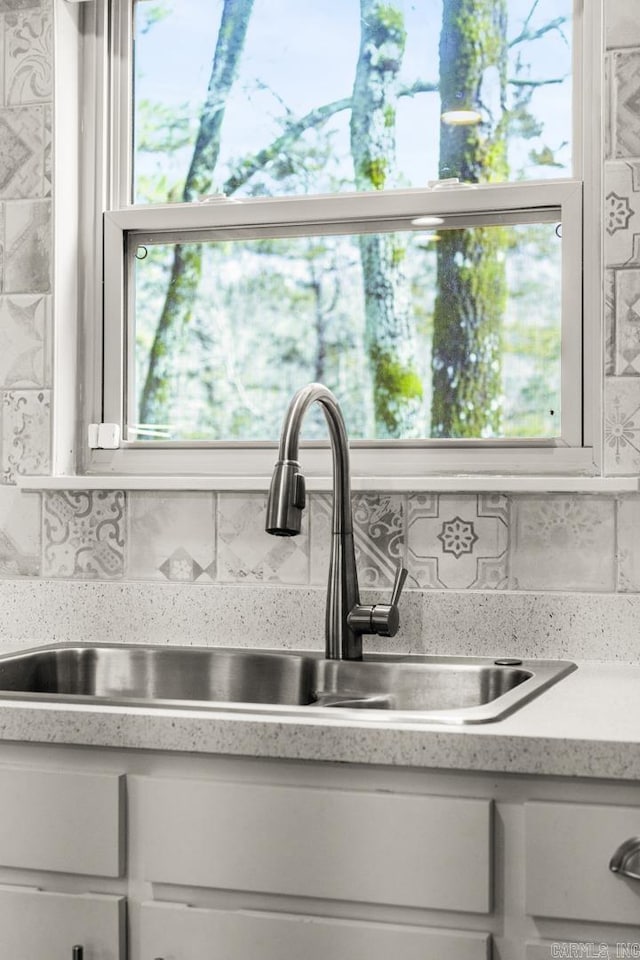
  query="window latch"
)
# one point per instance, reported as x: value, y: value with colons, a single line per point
x: 104, y: 436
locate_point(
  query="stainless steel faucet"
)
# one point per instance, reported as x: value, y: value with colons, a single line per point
x: 346, y: 619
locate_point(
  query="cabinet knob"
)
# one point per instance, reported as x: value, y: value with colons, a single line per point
x: 77, y: 952
x: 626, y: 859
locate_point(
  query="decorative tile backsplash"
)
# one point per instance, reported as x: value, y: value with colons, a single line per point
x: 448, y: 541
x: 84, y: 534
x: 459, y: 541
x: 569, y: 542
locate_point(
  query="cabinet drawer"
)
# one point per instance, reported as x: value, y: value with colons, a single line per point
x: 569, y: 847
x: 63, y: 821
x: 41, y: 925
x: 172, y: 930
x: 380, y: 848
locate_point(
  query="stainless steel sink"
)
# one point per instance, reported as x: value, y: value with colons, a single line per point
x: 453, y: 690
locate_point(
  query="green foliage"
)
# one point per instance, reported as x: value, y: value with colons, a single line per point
x: 544, y: 157
x: 153, y: 13
x: 395, y: 385
x: 389, y: 24
x: 253, y: 320
x: 374, y: 170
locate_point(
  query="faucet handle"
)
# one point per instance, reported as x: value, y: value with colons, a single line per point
x: 398, y: 584
x: 385, y: 617
x: 382, y: 619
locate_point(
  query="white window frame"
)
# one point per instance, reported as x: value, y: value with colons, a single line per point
x: 106, y: 150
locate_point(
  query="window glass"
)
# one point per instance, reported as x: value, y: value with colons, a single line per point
x: 276, y: 97
x: 426, y: 332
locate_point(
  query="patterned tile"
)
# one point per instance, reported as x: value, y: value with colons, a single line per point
x: 171, y: 536
x: 28, y: 56
x: 627, y: 313
x: 628, y: 580
x: 47, y: 181
x: 458, y: 542
x: 83, y: 534
x: 22, y: 152
x: 2, y: 48
x: 26, y: 434
x: 2, y: 220
x: 563, y: 543
x: 607, y: 107
x: 622, y: 213
x: 28, y: 241
x: 609, y: 322
x: 19, y: 533
x: 621, y: 426
x: 622, y: 23
x: 10, y: 5
x: 625, y: 77
x: 378, y: 526
x: 24, y: 326
x: 245, y: 552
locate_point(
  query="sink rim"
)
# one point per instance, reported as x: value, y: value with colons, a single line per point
x: 544, y: 673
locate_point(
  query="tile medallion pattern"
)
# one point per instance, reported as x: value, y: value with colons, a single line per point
x: 626, y: 76
x: 622, y: 213
x: 24, y: 327
x: 458, y: 542
x: 378, y: 526
x: 26, y: 434
x: 28, y: 56
x: 621, y: 426
x: 628, y: 524
x: 171, y: 536
x: 247, y: 553
x: 84, y: 534
x: 627, y: 318
x: 19, y: 533
x: 563, y: 543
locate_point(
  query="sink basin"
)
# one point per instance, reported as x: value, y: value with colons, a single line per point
x: 428, y: 689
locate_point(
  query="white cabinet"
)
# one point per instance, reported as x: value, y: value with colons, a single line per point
x: 36, y: 925
x: 569, y: 847
x: 247, y: 859
x: 61, y: 837
x: 62, y: 820
x: 354, y: 845
x: 187, y: 933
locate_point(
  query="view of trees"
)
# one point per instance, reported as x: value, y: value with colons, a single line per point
x: 419, y: 333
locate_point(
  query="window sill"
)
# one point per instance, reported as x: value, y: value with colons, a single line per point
x: 443, y: 484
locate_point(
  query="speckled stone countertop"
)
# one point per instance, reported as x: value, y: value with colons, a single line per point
x: 586, y: 725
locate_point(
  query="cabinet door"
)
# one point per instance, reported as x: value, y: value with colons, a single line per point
x: 62, y: 820
x: 569, y: 846
x: 404, y: 849
x: 171, y: 931
x: 46, y: 926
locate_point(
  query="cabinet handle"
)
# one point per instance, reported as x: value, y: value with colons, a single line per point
x: 77, y: 952
x: 622, y: 861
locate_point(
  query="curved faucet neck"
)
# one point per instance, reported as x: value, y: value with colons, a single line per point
x: 289, y: 444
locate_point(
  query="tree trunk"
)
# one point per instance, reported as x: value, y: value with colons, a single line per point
x: 186, y: 270
x: 389, y: 334
x: 471, y: 275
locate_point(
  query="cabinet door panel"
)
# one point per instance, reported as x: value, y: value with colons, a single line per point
x: 46, y: 926
x: 569, y: 847
x: 63, y: 821
x: 188, y: 933
x: 379, y: 848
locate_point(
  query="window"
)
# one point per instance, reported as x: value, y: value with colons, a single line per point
x: 384, y: 195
